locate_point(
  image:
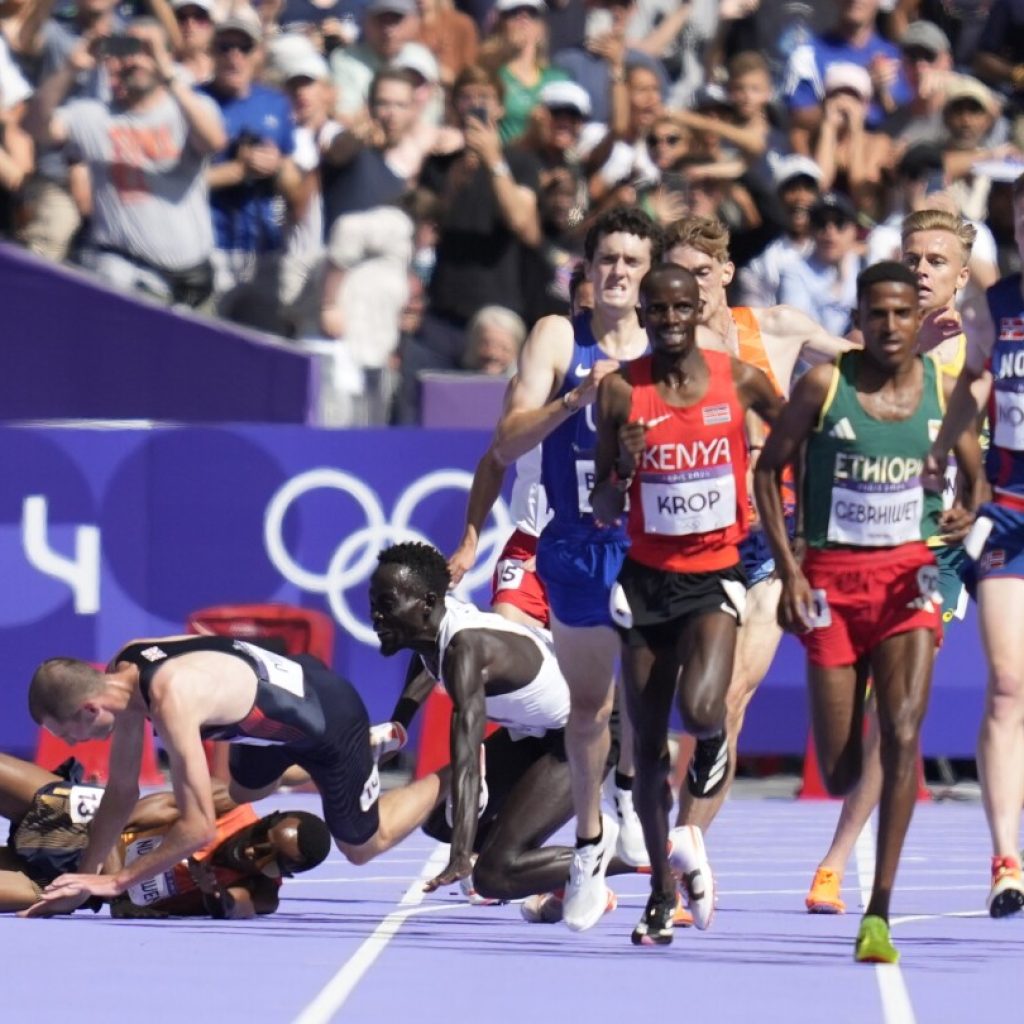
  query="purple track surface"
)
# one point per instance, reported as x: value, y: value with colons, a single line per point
x: 366, y: 945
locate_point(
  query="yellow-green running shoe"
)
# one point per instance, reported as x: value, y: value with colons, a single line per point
x: 873, y: 943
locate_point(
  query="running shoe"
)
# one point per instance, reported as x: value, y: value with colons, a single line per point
x: 472, y: 896
x: 656, y: 926
x: 689, y: 862
x: 682, y: 918
x: 586, y: 895
x: 709, y: 766
x: 630, y: 846
x: 824, y: 897
x: 387, y: 738
x: 1007, y: 894
x: 873, y: 943
x: 548, y: 907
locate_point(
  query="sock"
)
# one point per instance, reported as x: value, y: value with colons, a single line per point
x: 623, y: 781
x: 580, y: 842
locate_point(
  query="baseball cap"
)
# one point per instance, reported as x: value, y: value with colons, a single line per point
x: 853, y: 77
x: 833, y: 206
x: 569, y: 95
x: 503, y: 6
x: 403, y: 7
x: 795, y: 165
x: 417, y: 58
x: 203, y: 5
x: 302, y: 65
x: 249, y: 26
x: 925, y: 35
x: 964, y: 87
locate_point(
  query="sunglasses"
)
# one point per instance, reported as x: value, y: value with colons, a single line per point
x: 225, y: 46
x: 653, y: 141
x: 193, y: 14
x: 820, y: 223
x: 916, y: 54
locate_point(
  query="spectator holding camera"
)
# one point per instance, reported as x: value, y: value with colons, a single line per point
x: 146, y: 151
x: 252, y: 180
x: 488, y: 217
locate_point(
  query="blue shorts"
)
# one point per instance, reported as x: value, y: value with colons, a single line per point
x: 756, y: 556
x: 578, y: 566
x: 1003, y: 553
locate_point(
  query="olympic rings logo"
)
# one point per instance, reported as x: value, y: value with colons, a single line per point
x: 355, y: 557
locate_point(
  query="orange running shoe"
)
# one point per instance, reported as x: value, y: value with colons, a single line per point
x: 681, y: 918
x: 1006, y: 896
x: 824, y: 896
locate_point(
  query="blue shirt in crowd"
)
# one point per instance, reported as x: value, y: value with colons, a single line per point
x: 806, y: 76
x: 249, y: 217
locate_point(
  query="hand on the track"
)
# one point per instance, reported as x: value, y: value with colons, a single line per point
x: 795, y: 605
x: 47, y: 907
x: 81, y: 887
x: 458, y: 867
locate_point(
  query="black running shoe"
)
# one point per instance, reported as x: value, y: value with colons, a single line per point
x: 655, y: 927
x: 710, y: 766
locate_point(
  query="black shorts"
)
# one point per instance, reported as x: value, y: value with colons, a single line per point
x: 658, y: 602
x: 340, y: 762
x: 507, y: 762
x: 53, y: 833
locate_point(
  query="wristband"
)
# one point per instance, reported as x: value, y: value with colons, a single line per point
x: 501, y: 169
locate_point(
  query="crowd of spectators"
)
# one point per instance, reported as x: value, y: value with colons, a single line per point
x: 410, y: 181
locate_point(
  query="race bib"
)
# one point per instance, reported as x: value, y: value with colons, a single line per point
x: 584, y: 483
x: 700, y: 501
x: 509, y: 574
x: 876, y: 515
x: 145, y: 894
x: 282, y: 672
x: 1009, y: 425
x: 82, y: 803
x: 371, y: 790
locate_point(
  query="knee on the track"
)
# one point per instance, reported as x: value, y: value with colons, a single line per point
x: 491, y: 878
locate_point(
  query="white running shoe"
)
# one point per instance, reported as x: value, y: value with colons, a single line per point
x: 689, y: 862
x: 586, y: 895
x: 548, y: 907
x: 472, y: 896
x: 387, y: 738
x: 630, y: 845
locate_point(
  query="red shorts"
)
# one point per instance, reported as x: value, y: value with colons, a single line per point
x: 515, y: 584
x: 872, y: 595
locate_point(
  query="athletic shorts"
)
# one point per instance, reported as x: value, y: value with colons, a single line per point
x: 507, y: 761
x: 340, y: 763
x: 649, y: 606
x: 1003, y: 553
x: 578, y: 566
x: 870, y: 595
x: 50, y: 837
x: 514, y: 584
x: 952, y: 561
x: 756, y: 554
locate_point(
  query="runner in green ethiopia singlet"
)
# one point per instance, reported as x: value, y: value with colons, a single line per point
x: 862, y: 480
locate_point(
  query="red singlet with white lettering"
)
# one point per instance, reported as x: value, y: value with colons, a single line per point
x: 688, y: 500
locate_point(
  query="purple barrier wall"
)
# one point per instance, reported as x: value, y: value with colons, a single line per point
x: 452, y: 400
x: 106, y: 536
x: 73, y: 349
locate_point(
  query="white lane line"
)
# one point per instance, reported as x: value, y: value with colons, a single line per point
x: 332, y: 997
x: 896, y: 1006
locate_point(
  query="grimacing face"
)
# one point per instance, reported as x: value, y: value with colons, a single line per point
x: 398, y: 608
x: 620, y: 262
x: 712, y: 278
